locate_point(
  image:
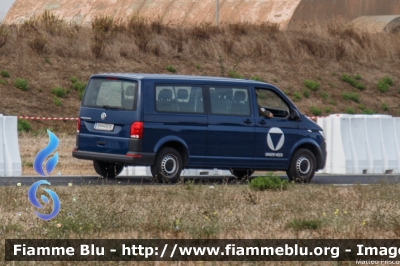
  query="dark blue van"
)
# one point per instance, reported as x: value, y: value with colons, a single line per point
x: 172, y: 122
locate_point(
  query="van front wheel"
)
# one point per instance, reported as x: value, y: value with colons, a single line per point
x: 107, y: 170
x: 302, y: 167
x: 168, y: 165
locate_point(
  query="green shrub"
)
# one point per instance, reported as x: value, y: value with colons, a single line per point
x: 387, y: 80
x: 3, y: 82
x: 299, y: 225
x: 352, y: 81
x: 315, y: 111
x: 23, y: 125
x: 311, y: 84
x: 353, y: 96
x: 5, y: 74
x: 270, y: 182
x: 296, y: 96
x: 384, y: 84
x: 79, y: 86
x: 275, y: 80
x: 80, y: 95
x: 170, y: 68
x: 306, y: 93
x: 198, y: 66
x: 57, y: 101
x: 350, y: 110
x: 73, y: 80
x: 332, y: 101
x: 59, y: 92
x: 383, y: 87
x: 21, y: 84
x: 357, y: 77
x: 368, y: 112
x: 384, y: 107
x: 324, y: 95
x: 398, y: 91
x: 327, y: 110
x: 361, y: 107
x: 257, y: 78
x: 234, y: 74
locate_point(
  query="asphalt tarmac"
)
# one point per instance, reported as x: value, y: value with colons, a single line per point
x: 319, y: 179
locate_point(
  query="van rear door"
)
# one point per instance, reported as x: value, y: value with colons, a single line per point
x: 109, y: 107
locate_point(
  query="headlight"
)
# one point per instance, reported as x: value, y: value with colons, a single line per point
x: 322, y: 133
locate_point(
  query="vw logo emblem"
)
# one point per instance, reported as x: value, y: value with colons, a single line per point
x: 103, y: 116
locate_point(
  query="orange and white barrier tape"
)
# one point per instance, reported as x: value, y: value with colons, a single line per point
x: 48, y: 118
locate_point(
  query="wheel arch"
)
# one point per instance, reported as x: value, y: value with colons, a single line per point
x: 175, y: 143
x: 311, y: 146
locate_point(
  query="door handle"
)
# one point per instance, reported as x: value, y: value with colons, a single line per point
x: 101, y: 143
x: 262, y: 122
x: 247, y: 122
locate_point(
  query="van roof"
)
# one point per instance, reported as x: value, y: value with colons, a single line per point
x: 175, y: 77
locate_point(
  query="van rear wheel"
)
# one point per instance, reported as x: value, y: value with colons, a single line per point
x: 241, y: 173
x: 107, y: 170
x: 167, y: 166
x: 302, y: 167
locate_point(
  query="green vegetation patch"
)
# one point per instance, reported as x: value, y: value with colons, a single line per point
x: 59, y: 92
x: 234, y: 74
x: 353, y: 96
x: 23, y: 125
x: 21, y: 84
x: 311, y: 84
x: 353, y: 81
x: 315, y: 111
x: 298, y: 225
x: 270, y: 182
x: 384, y: 84
x: 170, y: 68
x: 5, y: 74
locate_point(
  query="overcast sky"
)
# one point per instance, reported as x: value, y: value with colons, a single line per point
x: 4, y: 7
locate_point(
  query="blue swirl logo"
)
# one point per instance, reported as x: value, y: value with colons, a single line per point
x: 32, y: 198
x: 43, y: 154
x: 38, y: 167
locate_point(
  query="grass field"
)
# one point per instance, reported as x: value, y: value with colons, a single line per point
x: 206, y: 211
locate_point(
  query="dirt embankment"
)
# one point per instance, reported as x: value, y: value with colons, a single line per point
x: 47, y: 52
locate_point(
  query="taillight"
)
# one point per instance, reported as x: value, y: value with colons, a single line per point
x: 78, y: 126
x: 137, y: 130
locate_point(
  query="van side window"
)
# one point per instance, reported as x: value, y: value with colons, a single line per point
x: 230, y: 101
x: 272, y: 102
x: 180, y: 99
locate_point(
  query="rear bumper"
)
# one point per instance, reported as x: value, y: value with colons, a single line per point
x: 132, y: 158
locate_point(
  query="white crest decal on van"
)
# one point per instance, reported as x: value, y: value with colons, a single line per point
x: 275, y: 139
x: 103, y: 116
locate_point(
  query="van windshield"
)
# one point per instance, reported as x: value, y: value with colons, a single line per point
x: 111, y: 93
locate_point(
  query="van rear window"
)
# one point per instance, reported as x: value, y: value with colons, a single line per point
x: 111, y: 93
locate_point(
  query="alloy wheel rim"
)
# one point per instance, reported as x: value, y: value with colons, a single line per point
x: 303, y: 165
x: 169, y: 165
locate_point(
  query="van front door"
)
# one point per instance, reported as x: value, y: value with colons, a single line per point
x: 230, y: 128
x: 274, y: 136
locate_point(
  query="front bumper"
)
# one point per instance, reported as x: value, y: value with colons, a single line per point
x: 131, y: 158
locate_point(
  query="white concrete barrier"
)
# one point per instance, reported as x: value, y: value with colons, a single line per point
x: 145, y: 171
x: 361, y: 144
x: 10, y: 159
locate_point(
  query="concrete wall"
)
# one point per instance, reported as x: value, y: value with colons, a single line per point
x: 374, y: 24
x: 319, y: 10
x: 188, y: 11
x: 284, y: 12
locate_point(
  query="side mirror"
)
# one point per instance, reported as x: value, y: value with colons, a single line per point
x: 294, y: 115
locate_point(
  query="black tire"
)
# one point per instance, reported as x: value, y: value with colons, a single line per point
x: 107, y: 170
x: 241, y: 173
x: 167, y: 166
x: 302, y: 166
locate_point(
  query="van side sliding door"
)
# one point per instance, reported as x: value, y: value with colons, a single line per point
x: 231, y: 132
